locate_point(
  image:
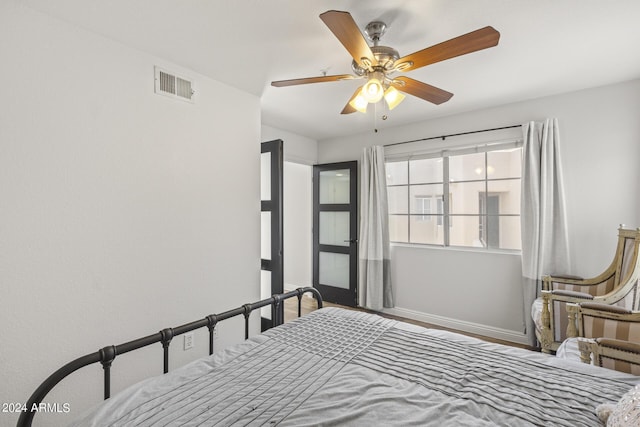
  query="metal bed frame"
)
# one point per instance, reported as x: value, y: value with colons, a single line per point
x: 106, y: 355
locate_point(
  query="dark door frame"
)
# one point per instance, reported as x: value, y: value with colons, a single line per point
x: 333, y: 294
x: 275, y: 205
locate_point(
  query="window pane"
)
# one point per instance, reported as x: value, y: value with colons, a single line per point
x: 265, y: 232
x: 508, y: 193
x: 427, y: 229
x: 265, y: 176
x: 426, y: 199
x: 399, y: 228
x: 397, y: 199
x: 510, y: 232
x: 504, y: 163
x: 425, y: 171
x: 334, y: 186
x: 396, y: 172
x: 466, y: 167
x: 334, y: 228
x: 465, y: 231
x: 333, y: 269
x: 466, y: 198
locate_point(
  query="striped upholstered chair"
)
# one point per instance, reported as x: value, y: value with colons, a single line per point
x: 610, y: 336
x: 617, y: 285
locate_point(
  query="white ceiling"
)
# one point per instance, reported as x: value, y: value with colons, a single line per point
x: 546, y: 47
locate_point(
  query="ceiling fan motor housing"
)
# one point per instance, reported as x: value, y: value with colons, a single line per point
x: 375, y: 30
x: 386, y: 57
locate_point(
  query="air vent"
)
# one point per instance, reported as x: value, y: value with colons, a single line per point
x: 174, y: 86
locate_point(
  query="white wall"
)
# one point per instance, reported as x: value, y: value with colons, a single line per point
x: 297, y: 148
x: 298, y: 224
x: 600, y: 135
x: 122, y: 212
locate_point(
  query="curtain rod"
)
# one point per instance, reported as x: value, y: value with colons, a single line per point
x: 453, y: 134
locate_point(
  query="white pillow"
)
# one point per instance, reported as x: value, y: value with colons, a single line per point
x: 536, y: 313
x: 570, y: 350
x: 627, y: 412
x: 604, y: 410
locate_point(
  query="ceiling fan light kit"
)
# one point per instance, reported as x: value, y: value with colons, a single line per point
x: 373, y: 89
x: 359, y: 103
x: 377, y: 64
x: 393, y: 97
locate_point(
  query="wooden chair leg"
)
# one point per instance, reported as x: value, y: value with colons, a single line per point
x: 546, y: 335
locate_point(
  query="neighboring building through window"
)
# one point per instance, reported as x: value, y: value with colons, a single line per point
x: 459, y: 198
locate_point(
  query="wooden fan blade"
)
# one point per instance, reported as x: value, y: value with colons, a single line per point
x: 319, y: 79
x: 421, y: 90
x: 348, y: 109
x: 346, y: 30
x: 471, y: 42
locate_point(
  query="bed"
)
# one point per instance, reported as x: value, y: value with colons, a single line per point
x: 344, y: 367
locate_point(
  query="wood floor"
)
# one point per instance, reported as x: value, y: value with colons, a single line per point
x: 309, y: 304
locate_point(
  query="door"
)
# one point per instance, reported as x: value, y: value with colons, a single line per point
x: 271, y: 229
x: 335, y: 230
x: 493, y: 220
x: 489, y: 205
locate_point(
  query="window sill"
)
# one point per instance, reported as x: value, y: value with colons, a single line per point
x: 514, y: 252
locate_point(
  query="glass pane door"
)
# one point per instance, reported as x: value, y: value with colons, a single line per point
x: 335, y: 232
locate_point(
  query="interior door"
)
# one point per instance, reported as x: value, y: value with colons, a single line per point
x: 489, y: 205
x: 335, y: 231
x: 272, y: 241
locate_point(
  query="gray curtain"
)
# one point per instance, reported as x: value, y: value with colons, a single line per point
x: 545, y: 237
x: 374, y: 278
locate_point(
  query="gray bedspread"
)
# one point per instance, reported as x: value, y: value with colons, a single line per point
x: 338, y: 367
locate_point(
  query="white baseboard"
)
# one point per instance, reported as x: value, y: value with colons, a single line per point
x: 460, y: 325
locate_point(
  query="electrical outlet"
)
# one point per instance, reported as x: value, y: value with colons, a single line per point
x: 188, y: 340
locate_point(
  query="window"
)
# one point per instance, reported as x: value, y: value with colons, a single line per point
x: 460, y: 198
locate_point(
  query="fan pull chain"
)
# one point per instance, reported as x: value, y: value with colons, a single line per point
x: 375, y: 117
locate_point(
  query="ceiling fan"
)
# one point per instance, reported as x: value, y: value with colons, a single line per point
x: 378, y: 64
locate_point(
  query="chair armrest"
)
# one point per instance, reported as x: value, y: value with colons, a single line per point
x: 563, y: 281
x: 561, y: 277
x: 620, y: 355
x: 623, y: 356
x: 605, y: 308
x: 621, y: 345
x: 572, y: 294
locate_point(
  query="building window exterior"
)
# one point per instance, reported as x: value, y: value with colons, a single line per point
x: 467, y: 198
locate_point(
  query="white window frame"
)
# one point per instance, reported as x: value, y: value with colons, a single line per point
x: 445, y: 218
